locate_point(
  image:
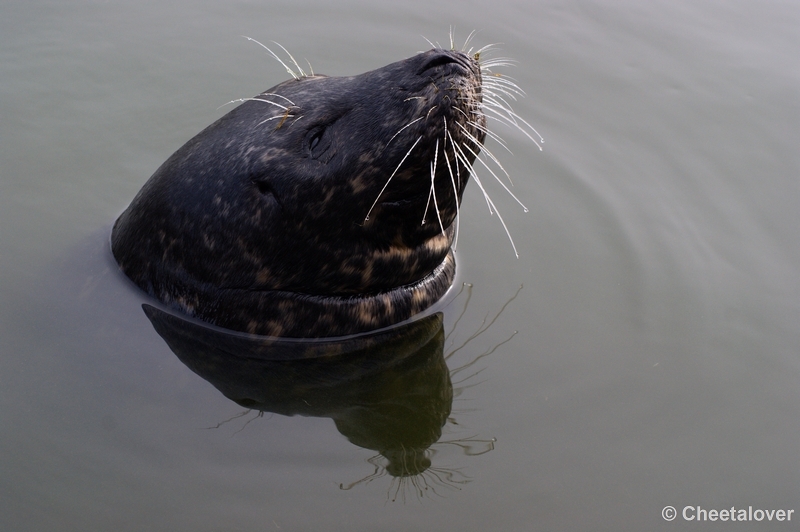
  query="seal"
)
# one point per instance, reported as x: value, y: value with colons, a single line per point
x: 324, y: 206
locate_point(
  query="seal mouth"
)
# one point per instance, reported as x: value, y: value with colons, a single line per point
x: 404, y: 201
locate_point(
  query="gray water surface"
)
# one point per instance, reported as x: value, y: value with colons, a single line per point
x: 651, y: 358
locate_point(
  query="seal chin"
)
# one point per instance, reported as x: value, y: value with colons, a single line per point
x: 324, y: 206
x: 314, y: 316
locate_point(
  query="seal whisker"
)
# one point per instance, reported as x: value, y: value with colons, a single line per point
x: 391, y: 176
x: 492, y: 207
x: 480, y: 146
x: 497, y: 62
x: 284, y: 117
x: 401, y: 129
x: 455, y: 155
x: 484, y: 129
x: 516, y: 117
x: 452, y: 180
x: 506, y: 120
x: 497, y: 90
x: 497, y: 101
x: 466, y: 42
x: 427, y: 204
x: 278, y: 96
x: 496, y: 177
x: 486, y: 48
x: 430, y: 111
x: 302, y: 74
x: 433, y: 189
x: 430, y: 192
x: 462, y: 158
x: 256, y: 99
x: 500, y: 79
x: 489, y: 61
x: 490, y: 134
x: 494, y: 90
x: 289, y: 70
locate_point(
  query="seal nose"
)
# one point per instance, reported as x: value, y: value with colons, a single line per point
x: 440, y: 58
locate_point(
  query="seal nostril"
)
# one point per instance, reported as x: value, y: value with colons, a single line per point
x: 437, y: 60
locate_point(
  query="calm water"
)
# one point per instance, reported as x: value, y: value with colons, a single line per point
x: 656, y: 359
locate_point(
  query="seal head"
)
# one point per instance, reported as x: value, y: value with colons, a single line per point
x: 324, y: 206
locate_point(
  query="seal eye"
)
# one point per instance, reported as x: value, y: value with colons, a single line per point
x: 314, y: 142
x: 318, y: 142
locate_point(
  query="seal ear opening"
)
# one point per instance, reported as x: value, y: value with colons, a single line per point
x: 264, y: 188
x: 267, y: 191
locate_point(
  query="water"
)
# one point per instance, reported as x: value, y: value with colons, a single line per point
x: 657, y: 358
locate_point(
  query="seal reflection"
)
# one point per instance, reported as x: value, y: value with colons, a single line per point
x: 390, y: 391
